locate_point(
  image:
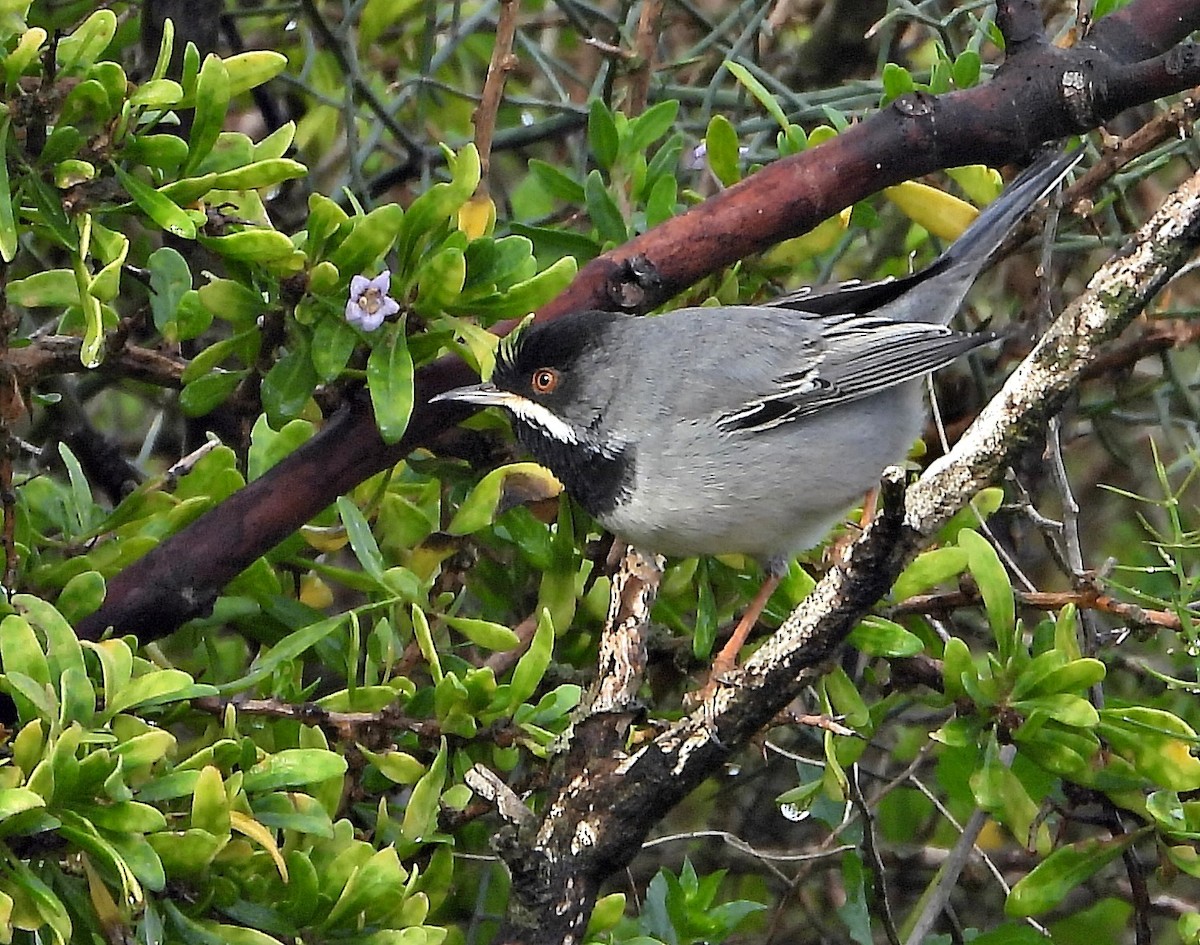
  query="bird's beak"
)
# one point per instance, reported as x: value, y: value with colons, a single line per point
x: 486, y: 394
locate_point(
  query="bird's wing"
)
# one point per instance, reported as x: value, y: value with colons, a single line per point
x: 857, y: 356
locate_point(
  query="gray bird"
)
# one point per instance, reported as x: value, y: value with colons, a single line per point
x: 747, y: 428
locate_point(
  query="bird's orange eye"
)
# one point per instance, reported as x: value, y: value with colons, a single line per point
x: 545, y: 380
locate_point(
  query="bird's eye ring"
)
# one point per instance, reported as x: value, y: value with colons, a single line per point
x: 545, y: 380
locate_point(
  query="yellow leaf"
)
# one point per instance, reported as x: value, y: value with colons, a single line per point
x: 821, y: 238
x: 314, y: 592
x: 942, y: 214
x: 324, y: 537
x: 477, y: 216
x: 243, y: 823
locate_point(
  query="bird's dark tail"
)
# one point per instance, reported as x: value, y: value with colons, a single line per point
x: 936, y: 292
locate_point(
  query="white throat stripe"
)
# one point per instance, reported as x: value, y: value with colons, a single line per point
x: 541, y: 417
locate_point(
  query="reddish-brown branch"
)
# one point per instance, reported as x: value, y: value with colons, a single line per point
x: 1085, y: 598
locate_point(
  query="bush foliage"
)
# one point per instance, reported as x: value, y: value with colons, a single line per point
x: 291, y: 768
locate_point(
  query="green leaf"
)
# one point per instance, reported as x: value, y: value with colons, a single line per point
x: 661, y: 204
x: 82, y: 595
x: 440, y: 280
x: 759, y: 91
x: 157, y: 94
x: 252, y: 245
x: 555, y: 182
x: 1074, y: 677
x: 8, y: 223
x: 721, y: 150
x: 876, y: 636
x: 1048, y: 883
x: 50, y: 288
x: 929, y: 569
x: 361, y: 540
x: 897, y: 81
x: 484, y: 633
x: 956, y: 664
x: 249, y: 70
x: 21, y: 651
x: 153, y: 688
x: 210, y: 805
x: 390, y: 381
x: 649, y: 126
x: 212, y: 102
x: 488, y: 498
x: 967, y: 67
x: 420, y: 816
x: 170, y: 278
x: 436, y: 210
x: 602, y: 134
x: 77, y: 52
x: 232, y: 301
x: 533, y: 665
x: 17, y: 800
x: 989, y: 573
x: 371, y: 237
x: 1067, y: 753
x: 62, y: 645
x: 206, y: 393
x: 288, y: 386
x: 1157, y: 743
x: 260, y: 174
x: 1065, y: 708
x: 603, y: 210
x: 397, y: 766
x: 425, y: 643
x: 29, y: 48
x: 704, y: 632
x: 289, y: 648
x: 333, y: 343
x: 162, y: 210
x: 293, y: 767
x: 524, y: 297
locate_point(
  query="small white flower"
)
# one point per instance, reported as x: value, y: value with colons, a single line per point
x: 369, y: 302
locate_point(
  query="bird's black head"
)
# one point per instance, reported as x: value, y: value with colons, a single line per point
x: 551, y: 381
x: 552, y: 363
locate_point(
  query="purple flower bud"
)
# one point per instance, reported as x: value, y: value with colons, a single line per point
x: 369, y: 302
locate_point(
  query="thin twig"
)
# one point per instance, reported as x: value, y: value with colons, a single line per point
x: 503, y: 62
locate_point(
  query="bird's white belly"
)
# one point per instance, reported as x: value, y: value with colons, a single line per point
x: 769, y: 495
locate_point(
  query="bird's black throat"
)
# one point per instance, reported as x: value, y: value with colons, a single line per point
x: 598, y: 479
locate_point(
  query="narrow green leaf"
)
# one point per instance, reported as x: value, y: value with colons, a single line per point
x: 425, y: 643
x: 1048, y: 883
x: 484, y: 633
x: 420, y: 816
x: 532, y: 666
x: 995, y: 587
x: 212, y: 102
x: 162, y: 210
x: 759, y: 91
x: 602, y: 134
x: 361, y: 540
x: 603, y: 211
x: 390, y: 380
x: 8, y: 223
